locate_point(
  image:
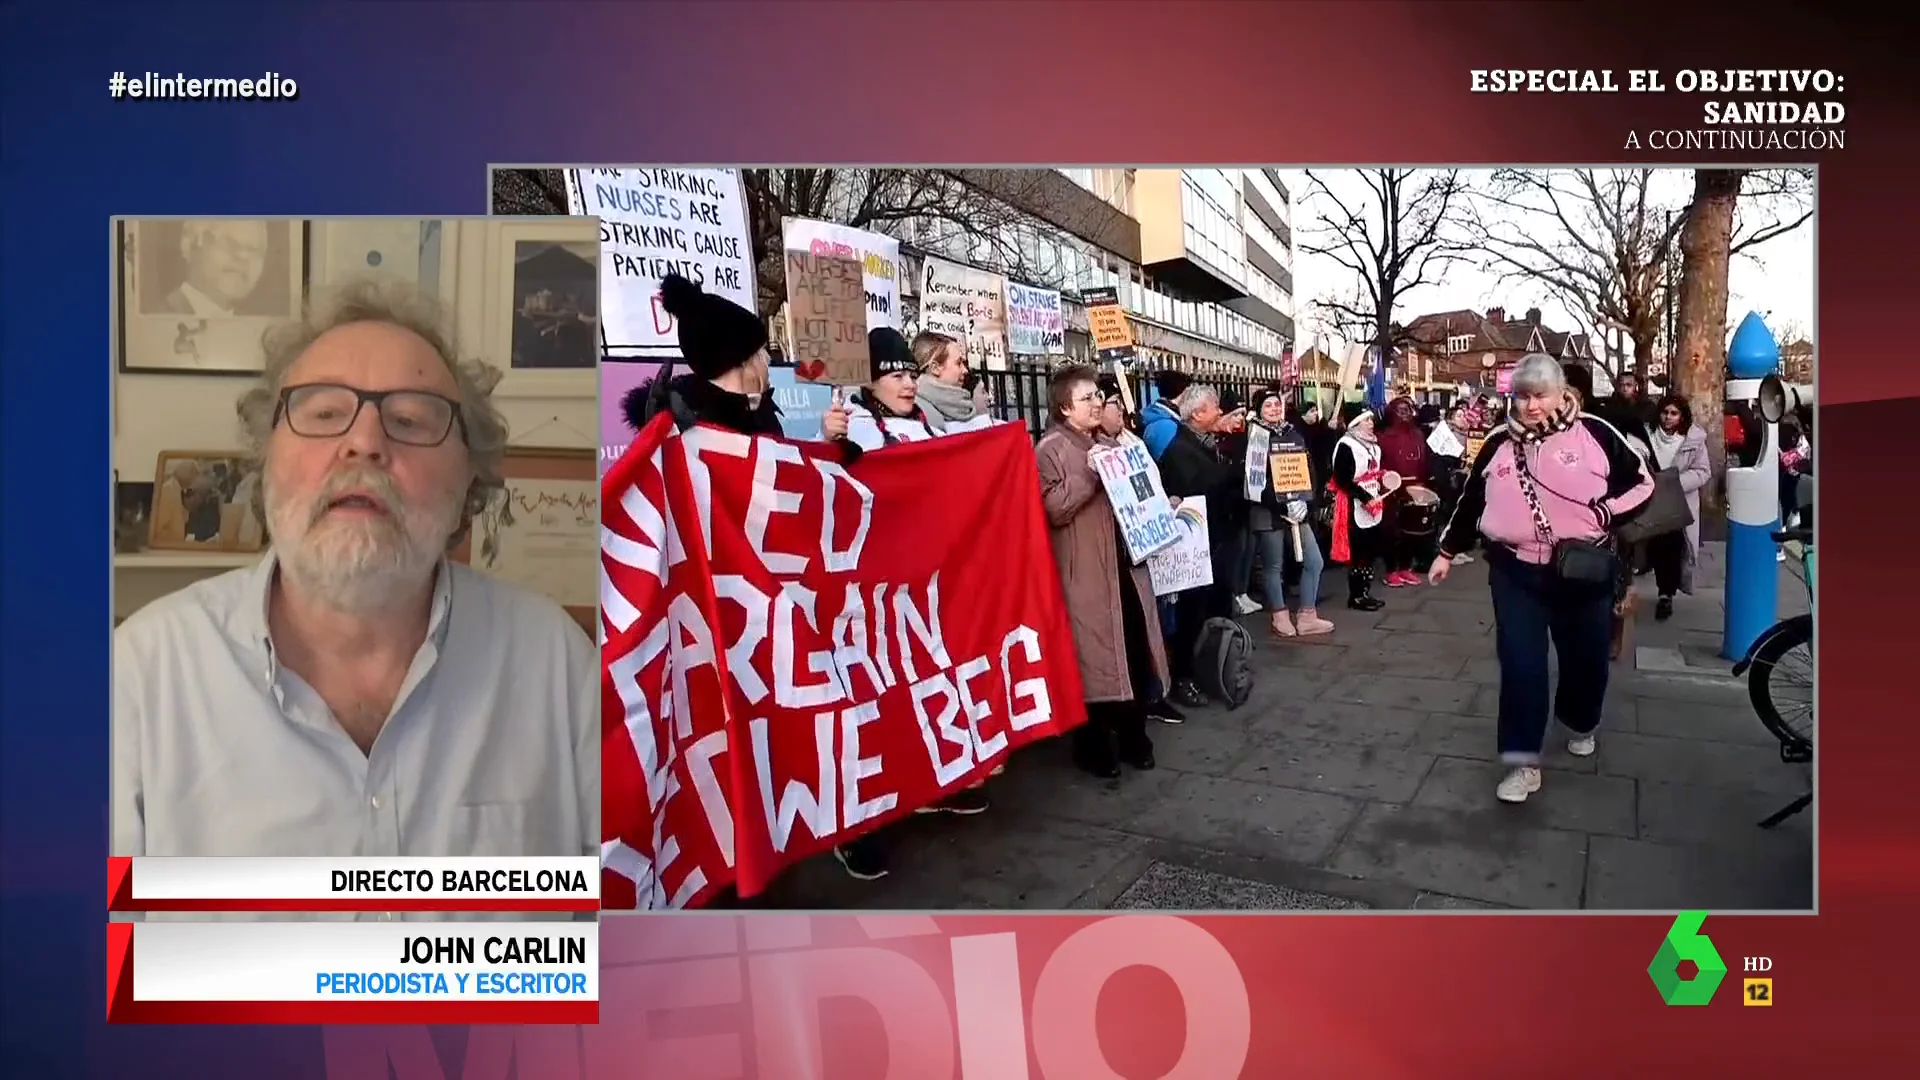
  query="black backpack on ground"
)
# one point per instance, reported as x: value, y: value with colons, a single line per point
x: 1223, y: 662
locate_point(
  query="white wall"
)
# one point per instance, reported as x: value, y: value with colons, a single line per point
x: 469, y: 266
x: 196, y: 412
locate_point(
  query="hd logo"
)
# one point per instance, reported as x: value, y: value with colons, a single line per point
x: 1684, y: 941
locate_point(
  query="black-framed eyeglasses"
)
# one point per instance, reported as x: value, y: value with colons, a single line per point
x: 329, y: 410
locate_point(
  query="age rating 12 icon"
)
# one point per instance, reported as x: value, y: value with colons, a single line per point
x: 1684, y: 942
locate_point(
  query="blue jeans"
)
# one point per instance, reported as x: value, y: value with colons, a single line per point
x: 1530, y: 606
x: 1276, y: 551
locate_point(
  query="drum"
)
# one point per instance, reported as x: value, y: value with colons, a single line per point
x: 1418, y: 513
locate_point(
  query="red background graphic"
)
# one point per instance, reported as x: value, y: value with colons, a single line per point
x: 403, y: 106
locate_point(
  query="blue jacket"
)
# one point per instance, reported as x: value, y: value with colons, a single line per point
x: 1158, y: 426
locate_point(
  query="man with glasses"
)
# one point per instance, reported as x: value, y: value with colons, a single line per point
x: 355, y: 693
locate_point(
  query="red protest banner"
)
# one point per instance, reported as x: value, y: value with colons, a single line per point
x: 797, y: 653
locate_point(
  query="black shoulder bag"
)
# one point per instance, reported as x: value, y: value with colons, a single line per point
x: 1577, y: 562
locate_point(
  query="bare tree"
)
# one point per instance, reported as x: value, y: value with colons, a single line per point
x: 1396, y: 234
x: 1597, y: 239
x: 531, y: 192
x: 1732, y: 211
x: 985, y: 216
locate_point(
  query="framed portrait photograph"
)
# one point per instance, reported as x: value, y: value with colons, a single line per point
x: 195, y: 295
x: 544, y: 330
x: 544, y: 534
x: 204, y: 500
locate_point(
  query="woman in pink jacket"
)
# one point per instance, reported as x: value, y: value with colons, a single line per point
x: 1551, y: 474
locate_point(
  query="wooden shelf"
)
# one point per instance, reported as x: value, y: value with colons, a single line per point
x: 184, y: 560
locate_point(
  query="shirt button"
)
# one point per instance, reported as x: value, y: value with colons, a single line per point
x: 375, y: 801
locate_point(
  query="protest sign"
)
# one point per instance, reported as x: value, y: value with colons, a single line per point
x: 803, y: 405
x: 1258, y: 440
x: 1475, y: 441
x: 618, y: 378
x: 879, y: 258
x: 1035, y: 325
x: 827, y: 318
x: 967, y: 305
x: 1288, y: 468
x: 655, y: 222
x: 1187, y: 563
x: 1107, y: 325
x: 1140, y: 505
x: 798, y: 652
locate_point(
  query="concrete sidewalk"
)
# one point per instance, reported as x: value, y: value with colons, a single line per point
x: 1361, y: 775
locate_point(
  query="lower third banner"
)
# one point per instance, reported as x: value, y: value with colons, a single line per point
x: 797, y: 653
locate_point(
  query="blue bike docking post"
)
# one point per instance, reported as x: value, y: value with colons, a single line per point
x: 1753, y: 498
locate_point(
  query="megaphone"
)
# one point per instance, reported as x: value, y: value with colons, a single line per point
x: 1778, y: 397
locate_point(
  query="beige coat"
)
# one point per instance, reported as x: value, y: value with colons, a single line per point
x: 1086, y: 550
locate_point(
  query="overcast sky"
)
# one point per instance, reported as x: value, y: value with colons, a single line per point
x: 1777, y: 278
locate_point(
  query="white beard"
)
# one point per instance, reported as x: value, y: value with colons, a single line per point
x: 359, y: 564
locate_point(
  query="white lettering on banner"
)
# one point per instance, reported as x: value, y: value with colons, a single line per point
x: 1035, y: 324
x: 655, y: 222
x: 831, y: 657
x: 879, y: 258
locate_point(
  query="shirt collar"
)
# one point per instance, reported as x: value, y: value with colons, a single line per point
x: 253, y: 608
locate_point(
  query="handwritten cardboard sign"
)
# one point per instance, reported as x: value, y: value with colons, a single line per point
x: 1475, y: 440
x: 827, y: 318
x: 1292, y: 476
x: 1187, y: 563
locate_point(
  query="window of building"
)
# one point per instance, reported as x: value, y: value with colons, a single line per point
x: 1459, y: 343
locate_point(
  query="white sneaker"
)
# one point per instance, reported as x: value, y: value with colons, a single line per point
x: 1462, y: 559
x: 1580, y: 746
x: 1247, y: 604
x: 1519, y: 784
x: 1779, y: 554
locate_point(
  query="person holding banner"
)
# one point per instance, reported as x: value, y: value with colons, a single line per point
x: 887, y: 411
x: 725, y: 349
x: 1359, y: 506
x: 1279, y: 525
x: 949, y: 399
x: 1108, y: 598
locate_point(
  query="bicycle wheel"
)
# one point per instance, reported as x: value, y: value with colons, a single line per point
x: 1780, y: 683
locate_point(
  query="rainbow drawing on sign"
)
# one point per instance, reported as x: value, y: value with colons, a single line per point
x: 1190, y: 517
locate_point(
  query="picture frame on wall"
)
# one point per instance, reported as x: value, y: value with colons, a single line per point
x: 195, y: 295
x: 543, y: 534
x: 204, y: 500
x: 544, y: 330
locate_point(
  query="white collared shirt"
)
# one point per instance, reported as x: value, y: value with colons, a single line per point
x: 203, y: 305
x: 492, y: 747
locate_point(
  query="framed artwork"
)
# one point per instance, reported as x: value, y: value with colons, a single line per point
x: 544, y: 535
x: 544, y: 326
x: 203, y: 500
x: 132, y: 503
x: 195, y: 295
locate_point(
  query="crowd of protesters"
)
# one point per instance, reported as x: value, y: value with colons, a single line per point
x: 1399, y: 497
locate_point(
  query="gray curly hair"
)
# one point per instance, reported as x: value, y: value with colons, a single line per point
x: 397, y: 304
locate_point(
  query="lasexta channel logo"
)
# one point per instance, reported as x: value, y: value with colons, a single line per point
x: 1685, y: 942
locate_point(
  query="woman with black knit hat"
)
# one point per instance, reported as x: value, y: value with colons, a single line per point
x: 1359, y: 489
x: 887, y: 411
x: 725, y: 349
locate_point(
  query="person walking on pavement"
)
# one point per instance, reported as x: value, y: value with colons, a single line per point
x: 1359, y: 500
x: 1403, y: 452
x: 1681, y: 445
x: 1447, y: 464
x: 1543, y: 494
x: 1109, y: 600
